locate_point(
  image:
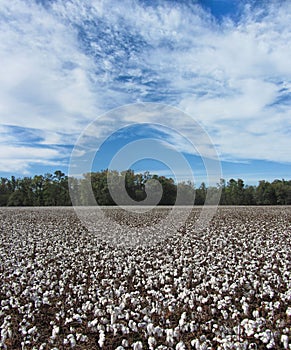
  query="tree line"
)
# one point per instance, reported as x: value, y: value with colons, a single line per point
x: 55, y: 189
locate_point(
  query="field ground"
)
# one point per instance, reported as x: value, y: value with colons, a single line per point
x: 225, y: 287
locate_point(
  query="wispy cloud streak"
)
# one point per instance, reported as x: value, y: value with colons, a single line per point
x: 63, y: 63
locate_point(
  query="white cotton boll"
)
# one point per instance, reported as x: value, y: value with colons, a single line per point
x: 115, y: 329
x: 23, y: 330
x: 132, y: 325
x: 158, y: 331
x: 288, y: 311
x: 93, y: 323
x: 256, y: 314
x: 237, y: 329
x: 277, y: 305
x: 72, y: 340
x: 77, y: 318
x: 101, y: 340
x: 55, y: 331
x: 9, y: 332
x: 152, y: 342
x: 170, y: 336
x: 113, y: 318
x: 265, y: 337
x: 271, y: 344
x: 147, y: 319
x: 150, y: 329
x: 224, y: 314
x: 199, y: 309
x: 195, y: 344
x: 120, y: 348
x: 124, y: 329
x: 45, y: 301
x: 3, y: 335
x: 245, y: 307
x: 125, y: 343
x: 285, y: 340
x: 204, y: 300
x: 176, y: 333
x: 137, y: 345
x: 171, y: 308
x: 182, y: 319
x: 104, y: 320
x: 142, y: 325
x: 82, y: 338
x: 249, y: 327
x: 180, y: 346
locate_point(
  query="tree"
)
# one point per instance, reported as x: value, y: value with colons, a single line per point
x: 186, y: 192
x: 5, y: 191
x: 201, y: 194
x: 265, y: 193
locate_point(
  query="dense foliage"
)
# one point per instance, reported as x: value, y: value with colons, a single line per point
x: 53, y: 190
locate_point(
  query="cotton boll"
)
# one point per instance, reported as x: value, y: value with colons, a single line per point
x: 195, y: 343
x: 285, y: 341
x: 72, y: 340
x: 158, y: 331
x: 101, y: 340
x: 125, y: 343
x: 137, y: 345
x: 180, y: 346
x: 132, y: 325
x: 152, y: 342
x: 182, y: 319
x: 224, y: 314
x: 245, y: 307
x: 170, y: 337
x: 55, y: 331
x: 256, y: 314
x: 271, y: 344
x: 150, y: 329
x: 81, y: 337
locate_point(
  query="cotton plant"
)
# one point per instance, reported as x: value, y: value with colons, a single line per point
x: 146, y: 296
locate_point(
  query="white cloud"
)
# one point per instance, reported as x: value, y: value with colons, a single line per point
x: 64, y: 64
x: 44, y: 77
x: 19, y: 159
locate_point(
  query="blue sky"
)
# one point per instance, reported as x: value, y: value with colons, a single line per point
x: 224, y: 63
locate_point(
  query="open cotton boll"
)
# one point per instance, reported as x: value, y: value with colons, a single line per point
x: 137, y: 345
x: 152, y: 342
x: 152, y: 303
x: 182, y: 319
x: 285, y: 340
x: 55, y: 331
x: 180, y: 346
x: 132, y: 325
x: 72, y: 340
x: 101, y: 340
x: 125, y: 343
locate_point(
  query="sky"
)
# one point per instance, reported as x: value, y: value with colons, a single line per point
x: 223, y: 63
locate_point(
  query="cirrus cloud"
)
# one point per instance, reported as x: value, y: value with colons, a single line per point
x: 64, y: 63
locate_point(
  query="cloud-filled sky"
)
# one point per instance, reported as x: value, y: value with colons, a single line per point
x: 225, y: 63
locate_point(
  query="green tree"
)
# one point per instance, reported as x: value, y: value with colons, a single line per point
x: 265, y: 193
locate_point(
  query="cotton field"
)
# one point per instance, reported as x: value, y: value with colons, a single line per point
x: 225, y: 287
